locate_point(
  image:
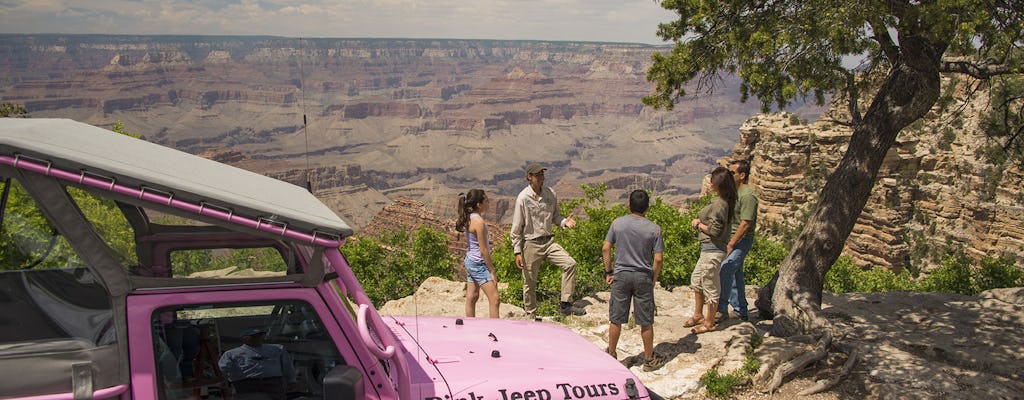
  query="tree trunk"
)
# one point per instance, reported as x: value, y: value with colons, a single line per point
x: 909, y: 91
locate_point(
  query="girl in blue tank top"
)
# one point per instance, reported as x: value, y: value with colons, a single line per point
x: 479, y: 267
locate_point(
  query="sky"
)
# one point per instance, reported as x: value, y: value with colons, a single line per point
x: 633, y: 21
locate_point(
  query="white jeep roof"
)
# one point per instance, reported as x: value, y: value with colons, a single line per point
x: 74, y: 145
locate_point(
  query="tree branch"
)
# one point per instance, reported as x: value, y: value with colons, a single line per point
x: 881, y: 34
x: 974, y: 70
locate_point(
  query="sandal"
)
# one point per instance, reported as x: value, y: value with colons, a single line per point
x: 703, y: 329
x: 693, y: 321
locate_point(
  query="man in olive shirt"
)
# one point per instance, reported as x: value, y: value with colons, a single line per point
x: 743, y: 222
x: 535, y: 210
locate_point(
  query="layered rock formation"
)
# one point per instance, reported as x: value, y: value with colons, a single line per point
x: 933, y: 193
x: 418, y: 118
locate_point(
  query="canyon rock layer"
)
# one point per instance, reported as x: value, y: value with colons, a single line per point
x: 367, y: 121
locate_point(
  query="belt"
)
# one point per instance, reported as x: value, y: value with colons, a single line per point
x: 541, y: 239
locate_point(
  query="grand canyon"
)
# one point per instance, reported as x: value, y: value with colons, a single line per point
x: 367, y: 121
x: 390, y: 126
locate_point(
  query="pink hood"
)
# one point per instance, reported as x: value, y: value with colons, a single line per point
x: 534, y: 361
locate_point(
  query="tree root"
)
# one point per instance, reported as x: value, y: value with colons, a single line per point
x: 788, y: 368
x: 824, y: 385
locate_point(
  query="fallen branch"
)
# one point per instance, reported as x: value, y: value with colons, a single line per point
x: 824, y: 385
x: 797, y: 364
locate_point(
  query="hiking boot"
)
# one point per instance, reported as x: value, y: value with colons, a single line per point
x: 571, y: 310
x: 654, y: 363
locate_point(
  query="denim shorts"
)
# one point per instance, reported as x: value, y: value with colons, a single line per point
x: 476, y: 271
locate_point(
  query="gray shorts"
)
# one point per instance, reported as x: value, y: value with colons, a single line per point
x: 638, y: 286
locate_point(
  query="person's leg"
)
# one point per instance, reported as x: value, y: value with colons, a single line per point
x: 709, y: 323
x: 472, y: 295
x: 614, y: 330
x: 643, y: 312
x: 618, y: 311
x: 491, y: 291
x: 698, y: 281
x: 698, y: 310
x: 727, y: 276
x: 647, y: 336
x: 738, y: 292
x: 558, y: 256
x: 531, y: 260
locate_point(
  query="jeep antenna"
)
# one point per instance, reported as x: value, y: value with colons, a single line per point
x: 302, y: 105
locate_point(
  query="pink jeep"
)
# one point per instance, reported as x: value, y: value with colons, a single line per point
x: 101, y: 234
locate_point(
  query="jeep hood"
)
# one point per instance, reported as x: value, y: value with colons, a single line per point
x: 495, y: 359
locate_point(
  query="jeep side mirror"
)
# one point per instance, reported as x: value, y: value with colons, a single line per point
x: 344, y: 382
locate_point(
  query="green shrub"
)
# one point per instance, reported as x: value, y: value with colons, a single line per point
x: 762, y: 261
x: 844, y: 277
x: 953, y: 276
x: 720, y: 386
x: 998, y: 273
x: 393, y: 265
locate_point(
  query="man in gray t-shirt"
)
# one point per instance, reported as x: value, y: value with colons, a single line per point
x: 638, y: 258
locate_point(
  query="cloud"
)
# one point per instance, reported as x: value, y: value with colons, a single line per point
x: 589, y: 20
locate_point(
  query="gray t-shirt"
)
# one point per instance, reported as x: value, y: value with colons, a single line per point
x: 636, y: 241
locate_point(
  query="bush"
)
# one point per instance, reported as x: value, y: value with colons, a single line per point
x: 953, y: 276
x: 998, y: 273
x: 844, y: 277
x: 393, y: 265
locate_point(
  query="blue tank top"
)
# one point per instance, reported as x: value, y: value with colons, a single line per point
x: 473, y: 243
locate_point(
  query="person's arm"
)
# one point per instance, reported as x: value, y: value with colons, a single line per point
x: 479, y: 228
x: 658, y: 261
x: 741, y: 231
x: 606, y: 255
x: 518, y: 224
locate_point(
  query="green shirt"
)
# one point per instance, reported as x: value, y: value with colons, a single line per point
x: 746, y: 210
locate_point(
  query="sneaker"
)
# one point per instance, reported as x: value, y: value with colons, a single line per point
x: 654, y: 363
x: 571, y: 310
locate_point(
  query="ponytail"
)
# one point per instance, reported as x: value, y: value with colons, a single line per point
x: 467, y: 204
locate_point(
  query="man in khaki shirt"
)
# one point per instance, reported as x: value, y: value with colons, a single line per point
x: 536, y: 209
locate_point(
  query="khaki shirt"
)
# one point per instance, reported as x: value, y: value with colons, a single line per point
x: 533, y: 215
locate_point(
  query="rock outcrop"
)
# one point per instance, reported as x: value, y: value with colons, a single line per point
x: 933, y: 191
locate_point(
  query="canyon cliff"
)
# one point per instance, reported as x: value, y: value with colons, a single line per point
x: 936, y: 190
x: 364, y: 122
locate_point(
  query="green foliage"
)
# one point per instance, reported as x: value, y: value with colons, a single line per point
x: 794, y: 119
x: 720, y: 386
x: 27, y: 240
x: 954, y: 276
x: 1004, y: 123
x: 844, y: 277
x: 119, y: 128
x: 393, y: 265
x: 12, y: 110
x: 763, y: 260
x: 998, y: 273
